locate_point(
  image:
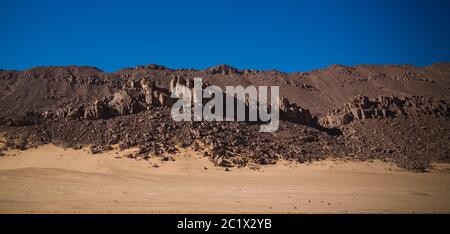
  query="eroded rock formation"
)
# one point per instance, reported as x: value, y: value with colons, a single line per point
x: 362, y: 107
x: 80, y: 106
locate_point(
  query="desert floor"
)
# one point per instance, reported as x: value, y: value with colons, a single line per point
x: 50, y: 179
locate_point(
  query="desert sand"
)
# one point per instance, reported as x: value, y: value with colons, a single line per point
x: 50, y: 179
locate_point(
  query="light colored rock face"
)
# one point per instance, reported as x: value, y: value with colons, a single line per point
x: 154, y: 96
x: 147, y: 89
x: 179, y: 81
x: 162, y: 99
x: 361, y: 107
x: 172, y: 84
x: 97, y: 110
x: 358, y: 113
x: 124, y: 104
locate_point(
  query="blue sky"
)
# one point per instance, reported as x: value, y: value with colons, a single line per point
x: 284, y: 35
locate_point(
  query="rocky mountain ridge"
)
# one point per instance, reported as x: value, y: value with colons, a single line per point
x: 325, y: 113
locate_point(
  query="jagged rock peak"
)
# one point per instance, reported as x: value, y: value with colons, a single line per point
x: 223, y: 69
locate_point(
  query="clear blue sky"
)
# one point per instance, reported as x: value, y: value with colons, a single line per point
x: 284, y: 35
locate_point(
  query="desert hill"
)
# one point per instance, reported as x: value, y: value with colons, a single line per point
x: 395, y: 113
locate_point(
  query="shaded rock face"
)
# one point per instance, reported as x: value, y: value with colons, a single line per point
x: 293, y: 113
x: 97, y: 110
x: 29, y: 118
x: 124, y: 104
x: 78, y: 106
x: 362, y: 107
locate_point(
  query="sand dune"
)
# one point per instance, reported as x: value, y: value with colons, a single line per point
x: 53, y: 179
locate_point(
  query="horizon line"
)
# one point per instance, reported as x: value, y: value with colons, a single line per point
x: 154, y: 66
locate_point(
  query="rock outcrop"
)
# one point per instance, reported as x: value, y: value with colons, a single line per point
x: 362, y: 107
x: 99, y: 109
x: 133, y: 98
x: 293, y: 113
x: 124, y: 104
x: 223, y: 70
